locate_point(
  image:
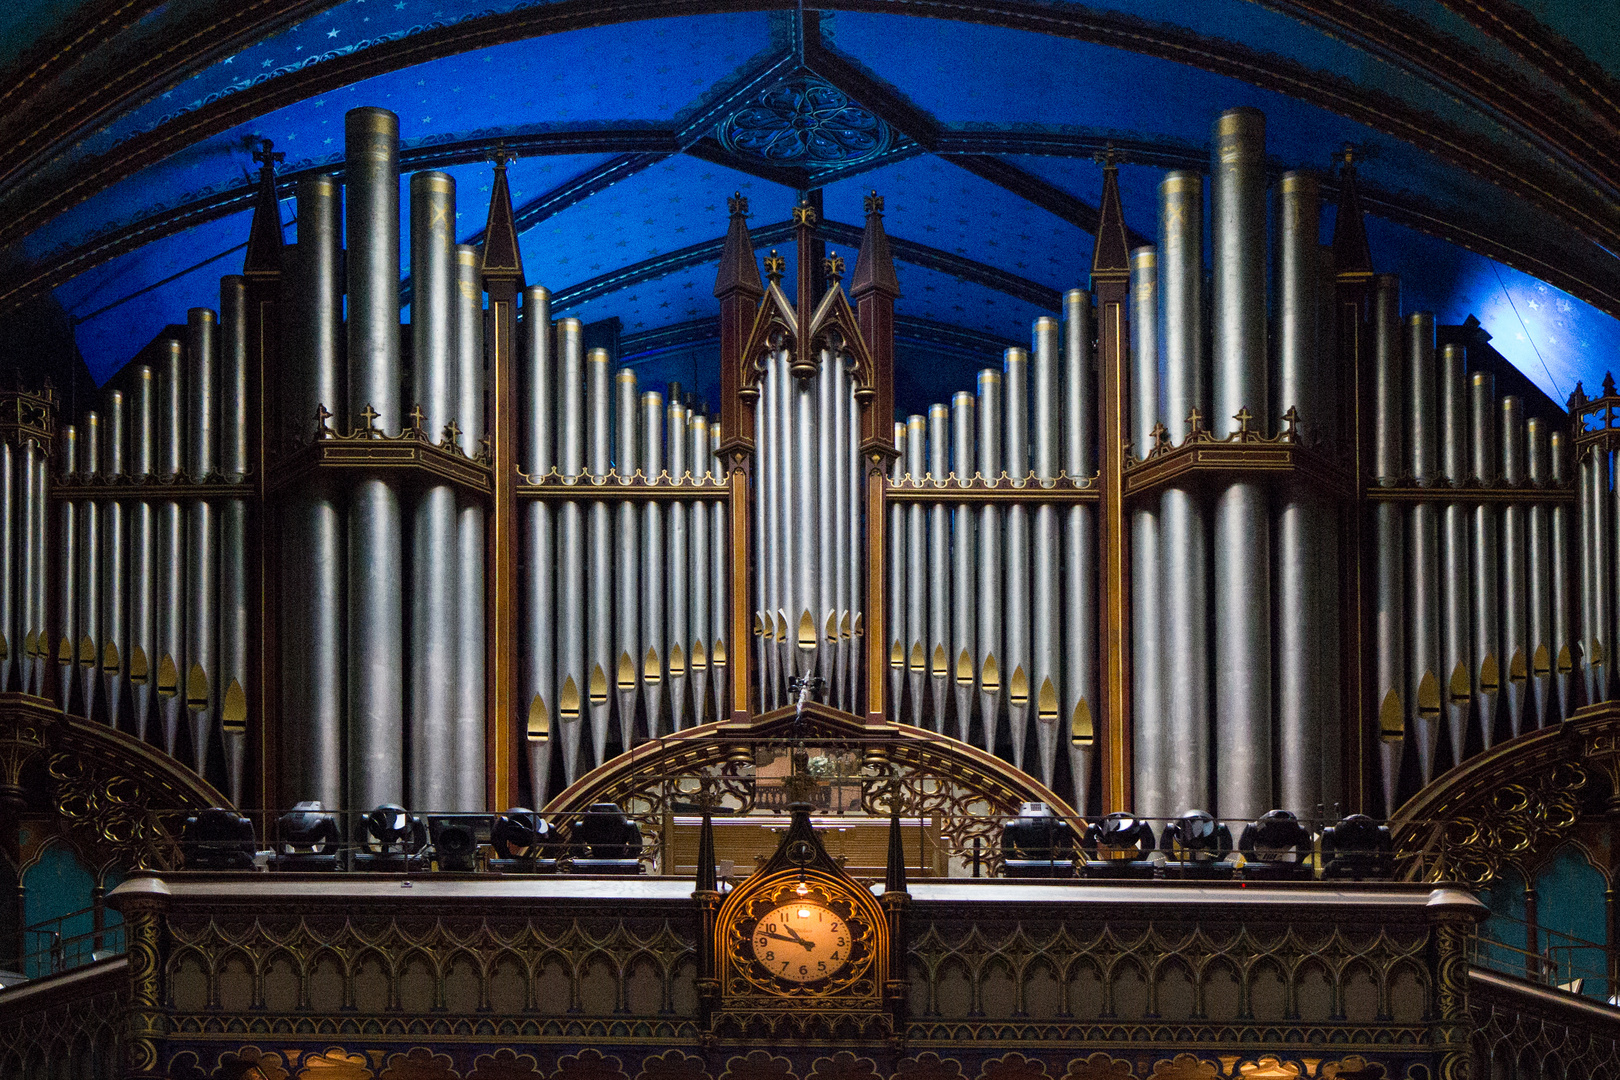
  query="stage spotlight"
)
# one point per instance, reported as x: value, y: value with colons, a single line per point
x: 455, y: 838
x: 392, y: 839
x: 217, y: 839
x: 1111, y: 843
x: 606, y: 842
x: 308, y: 839
x: 1358, y: 847
x: 1037, y: 844
x: 523, y: 843
x: 1196, y: 846
x: 1275, y: 848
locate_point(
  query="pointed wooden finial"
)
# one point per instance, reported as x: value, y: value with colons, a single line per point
x: 707, y: 880
x: 503, y: 259
x: 265, y: 237
x: 738, y: 272
x: 874, y: 265
x: 1352, y: 257
x: 1111, y: 257
x: 895, y: 878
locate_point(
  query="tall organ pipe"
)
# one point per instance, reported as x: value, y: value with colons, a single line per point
x: 67, y: 559
x: 313, y: 607
x: 537, y: 386
x: 1046, y: 673
x: 679, y: 553
x: 1015, y: 385
x: 627, y: 571
x: 939, y: 573
x: 702, y: 461
x: 788, y: 508
x: 1391, y: 695
x: 39, y: 470
x: 897, y: 558
x: 964, y: 638
x: 1183, y: 522
x: 828, y: 542
x: 1599, y: 527
x: 571, y: 597
x: 916, y: 571
x: 599, y: 616
x: 89, y: 624
x: 142, y: 443
x: 376, y: 543
x: 1515, y: 571
x: 470, y: 706
x: 990, y: 563
x: 202, y: 556
x: 1427, y: 676
x: 1456, y: 624
x: 1079, y: 548
x: 1241, y: 548
x: 32, y: 586
x: 1486, y: 558
x: 1539, y: 569
x: 435, y: 637
x: 1302, y: 706
x: 233, y: 569
x: 655, y: 585
x: 857, y: 560
x: 171, y: 548
x: 720, y: 609
x: 114, y: 573
x: 1153, y: 795
x: 768, y: 437
x: 1564, y: 641
x: 842, y: 553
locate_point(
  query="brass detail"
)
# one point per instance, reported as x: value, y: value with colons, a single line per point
x: 918, y: 660
x: 1018, y: 689
x: 1518, y: 671
x: 700, y: 659
x: 233, y: 710
x: 1566, y: 663
x: 539, y: 720
x: 599, y: 685
x: 627, y: 672
x: 87, y: 650
x: 677, y: 661
x: 1082, y: 731
x: 807, y: 630
x: 568, y: 701
x: 64, y: 652
x: 168, y: 683
x: 941, y: 663
x: 964, y: 669
x: 1391, y: 717
x: 718, y: 654
x: 1046, y: 703
x: 1541, y: 662
x: 1461, y: 690
x: 759, y: 625
x: 897, y: 654
x: 844, y: 626
x: 1428, y: 696
x: 781, y: 627
x: 832, y: 626
x: 650, y: 671
x: 1490, y: 676
x: 196, y: 688
x: 110, y: 659
x: 990, y: 681
x: 138, y: 673
x: 1595, y: 653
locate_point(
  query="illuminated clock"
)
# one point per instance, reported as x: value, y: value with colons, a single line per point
x: 802, y: 942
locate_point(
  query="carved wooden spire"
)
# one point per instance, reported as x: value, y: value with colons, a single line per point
x: 706, y: 877
x: 739, y: 273
x: 874, y: 266
x: 503, y: 259
x: 895, y: 878
x: 265, y: 237
x: 1352, y: 257
x: 1112, y: 254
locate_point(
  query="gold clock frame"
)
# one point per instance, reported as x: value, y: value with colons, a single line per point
x: 848, y: 1002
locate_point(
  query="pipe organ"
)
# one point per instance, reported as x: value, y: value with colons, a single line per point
x: 459, y: 559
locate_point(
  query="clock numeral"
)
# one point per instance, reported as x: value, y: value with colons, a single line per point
x: 823, y: 965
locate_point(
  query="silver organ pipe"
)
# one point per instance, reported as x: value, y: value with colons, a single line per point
x: 12, y: 656
x: 470, y: 382
x: 114, y: 575
x: 32, y: 560
x: 786, y: 531
x: 1514, y: 640
x: 67, y: 559
x: 434, y: 635
x: 376, y: 656
x: 571, y: 597
x: 1015, y: 668
x: 1044, y: 666
x: 1599, y: 532
x: 1153, y: 797
x: 939, y: 571
x: 1456, y: 622
x: 1566, y: 643
x: 537, y: 397
x: 313, y: 603
x: 1241, y: 549
x: 828, y: 543
x: 677, y: 573
x: 720, y: 608
x: 627, y: 563
x: 599, y: 614
x: 1541, y: 641
x: 652, y: 565
x: 1485, y: 556
x: 990, y: 564
x: 1391, y: 692
x: 964, y: 636
x: 1184, y: 519
x: 232, y: 681
x: 142, y: 537
x: 845, y: 482
x: 171, y: 551
x: 699, y: 569
x: 1428, y: 677
x: 201, y: 690
x: 1079, y: 684
x: 898, y: 559
x: 89, y: 543
x: 916, y: 541
x: 769, y: 438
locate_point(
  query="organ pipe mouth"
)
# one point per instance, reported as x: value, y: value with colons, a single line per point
x: 539, y: 720
x: 1082, y: 732
x: 1391, y: 717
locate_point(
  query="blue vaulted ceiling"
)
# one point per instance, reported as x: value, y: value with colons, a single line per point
x: 1489, y: 152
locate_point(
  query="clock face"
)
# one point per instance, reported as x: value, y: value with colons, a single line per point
x: 801, y: 942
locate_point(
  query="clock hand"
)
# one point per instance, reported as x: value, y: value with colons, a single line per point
x: 795, y: 939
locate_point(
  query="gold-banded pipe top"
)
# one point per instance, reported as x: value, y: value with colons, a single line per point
x: 916, y: 420
x: 200, y: 314
x: 1015, y: 356
x: 989, y: 376
x: 1045, y: 320
x: 598, y: 356
x: 625, y: 375
x: 537, y: 294
x: 938, y: 410
x: 325, y: 181
x: 144, y: 373
x: 652, y: 397
x: 1479, y: 378
x: 1145, y: 257
x: 1420, y: 318
x: 371, y: 118
x: 467, y: 255
x: 1243, y: 120
x: 1451, y: 351
x: 962, y: 397
x: 435, y: 181
x: 1295, y: 182
x: 1181, y: 182
x: 1386, y: 281
x: 1076, y: 296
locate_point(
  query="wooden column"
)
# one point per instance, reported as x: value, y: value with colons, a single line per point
x: 875, y: 288
x: 261, y: 266
x: 1110, y: 280
x: 1353, y: 270
x: 503, y: 281
x: 738, y: 289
